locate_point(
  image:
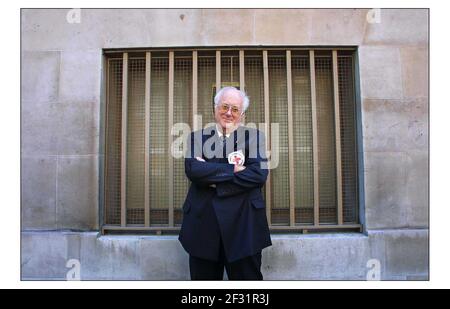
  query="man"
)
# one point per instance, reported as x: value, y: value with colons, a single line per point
x: 224, y: 223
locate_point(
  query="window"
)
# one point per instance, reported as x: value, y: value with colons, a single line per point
x: 310, y: 93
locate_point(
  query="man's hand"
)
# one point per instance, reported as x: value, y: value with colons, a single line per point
x: 238, y: 168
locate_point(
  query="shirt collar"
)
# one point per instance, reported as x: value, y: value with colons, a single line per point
x: 220, y: 133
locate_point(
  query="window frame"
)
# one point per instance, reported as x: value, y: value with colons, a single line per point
x: 340, y: 225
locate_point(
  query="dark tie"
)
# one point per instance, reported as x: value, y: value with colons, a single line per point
x: 224, y: 145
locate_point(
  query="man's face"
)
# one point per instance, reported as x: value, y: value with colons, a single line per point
x: 228, y: 112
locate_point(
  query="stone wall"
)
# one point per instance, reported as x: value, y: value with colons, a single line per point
x: 61, y: 103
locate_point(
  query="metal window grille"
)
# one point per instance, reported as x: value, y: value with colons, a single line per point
x: 310, y: 93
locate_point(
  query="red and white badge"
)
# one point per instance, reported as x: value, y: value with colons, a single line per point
x: 236, y: 157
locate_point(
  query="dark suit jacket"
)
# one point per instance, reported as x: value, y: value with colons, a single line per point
x: 235, y: 208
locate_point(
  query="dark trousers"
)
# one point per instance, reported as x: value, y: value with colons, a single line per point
x: 248, y: 268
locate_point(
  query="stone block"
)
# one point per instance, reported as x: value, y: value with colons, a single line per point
x: 50, y: 29
x: 282, y: 26
x: 109, y: 257
x: 77, y: 204
x: 40, y: 76
x: 81, y: 73
x: 406, y: 253
x: 43, y: 256
x: 316, y: 257
x: 40, y: 129
x: 123, y: 28
x: 385, y: 186
x: 417, y: 188
x: 414, y: 72
x: 174, y: 27
x: 163, y: 258
x: 338, y: 26
x: 38, y: 188
x: 399, y: 26
x: 68, y: 128
x: 226, y: 26
x: 78, y: 128
x: 380, y: 72
x: 395, y: 125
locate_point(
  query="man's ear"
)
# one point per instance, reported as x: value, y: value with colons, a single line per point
x: 243, y: 118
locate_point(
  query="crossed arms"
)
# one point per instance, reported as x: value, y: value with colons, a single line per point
x: 228, y: 179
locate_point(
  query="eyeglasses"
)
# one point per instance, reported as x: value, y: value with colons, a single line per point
x: 234, y: 110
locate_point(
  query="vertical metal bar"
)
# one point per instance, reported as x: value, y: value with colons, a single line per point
x: 218, y: 72
x: 355, y: 94
x: 337, y: 128
x: 123, y: 170
x: 231, y: 69
x: 105, y: 164
x: 267, y: 128
x: 147, y: 140
x: 194, y: 89
x: 241, y: 70
x: 312, y: 71
x: 290, y: 141
x: 169, y: 145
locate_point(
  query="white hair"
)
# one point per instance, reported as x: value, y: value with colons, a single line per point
x: 244, y: 97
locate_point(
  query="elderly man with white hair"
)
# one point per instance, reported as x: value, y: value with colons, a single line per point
x: 224, y: 222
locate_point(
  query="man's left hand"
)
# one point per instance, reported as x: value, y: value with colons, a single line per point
x: 238, y: 168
